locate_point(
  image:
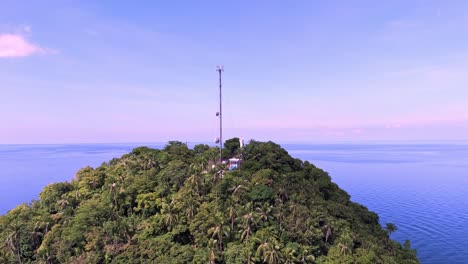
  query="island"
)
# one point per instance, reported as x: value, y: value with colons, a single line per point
x: 183, y: 205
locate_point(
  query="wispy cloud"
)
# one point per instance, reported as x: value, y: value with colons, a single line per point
x: 16, y: 45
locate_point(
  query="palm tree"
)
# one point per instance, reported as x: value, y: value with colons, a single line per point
x: 248, y: 221
x: 390, y: 228
x: 149, y: 162
x: 121, y: 180
x: 63, y: 203
x: 238, y: 191
x: 344, y: 249
x: 203, y: 165
x: 112, y: 190
x: 218, y: 231
x: 264, y: 212
x: 169, y: 212
x: 12, y: 241
x: 232, y: 212
x: 36, y: 233
x: 93, y: 182
x: 272, y: 256
x: 305, y: 257
x: 198, y: 167
x: 279, y: 214
x: 269, y: 251
x: 293, y: 209
x: 328, y: 232
x: 193, y: 181
x: 212, y: 251
x: 283, y: 194
x: 217, y: 176
x: 289, y: 256
x: 191, y: 209
x: 346, y: 242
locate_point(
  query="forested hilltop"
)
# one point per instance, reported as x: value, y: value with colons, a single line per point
x: 176, y: 205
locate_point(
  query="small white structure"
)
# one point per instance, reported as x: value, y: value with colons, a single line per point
x: 241, y: 142
x: 234, y: 163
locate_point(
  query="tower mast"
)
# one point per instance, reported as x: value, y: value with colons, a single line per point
x: 220, y: 69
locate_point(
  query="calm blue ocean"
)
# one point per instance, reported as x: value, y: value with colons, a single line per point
x: 419, y: 186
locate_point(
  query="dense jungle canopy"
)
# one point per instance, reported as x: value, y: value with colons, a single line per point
x: 179, y: 205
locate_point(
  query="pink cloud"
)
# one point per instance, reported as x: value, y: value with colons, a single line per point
x: 12, y: 46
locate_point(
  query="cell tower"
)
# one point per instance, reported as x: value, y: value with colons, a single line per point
x: 220, y: 69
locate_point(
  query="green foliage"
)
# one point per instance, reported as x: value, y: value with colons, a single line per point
x: 231, y: 148
x: 169, y: 206
x: 52, y: 195
x: 261, y: 193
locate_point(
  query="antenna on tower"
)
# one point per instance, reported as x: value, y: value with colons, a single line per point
x: 220, y: 69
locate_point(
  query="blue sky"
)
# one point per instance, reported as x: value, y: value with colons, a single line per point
x: 115, y: 71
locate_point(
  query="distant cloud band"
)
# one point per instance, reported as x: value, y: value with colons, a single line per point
x: 14, y: 45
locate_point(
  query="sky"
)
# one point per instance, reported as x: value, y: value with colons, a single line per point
x: 295, y: 71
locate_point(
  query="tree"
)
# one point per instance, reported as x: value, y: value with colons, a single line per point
x: 390, y: 228
x: 231, y: 147
x: 269, y: 248
x: 328, y: 232
x: 12, y: 241
x: 345, y: 242
x: 168, y: 210
x: 147, y: 204
x: 194, y: 180
x: 232, y: 214
x: 239, y: 191
x: 219, y: 231
x: 248, y: 222
x: 264, y: 212
x: 52, y: 194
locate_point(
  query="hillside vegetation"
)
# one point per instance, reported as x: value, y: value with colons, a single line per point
x: 173, y: 206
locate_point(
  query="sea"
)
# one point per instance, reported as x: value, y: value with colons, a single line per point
x: 420, y: 186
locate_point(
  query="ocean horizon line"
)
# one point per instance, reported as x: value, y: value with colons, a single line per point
x: 289, y: 142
